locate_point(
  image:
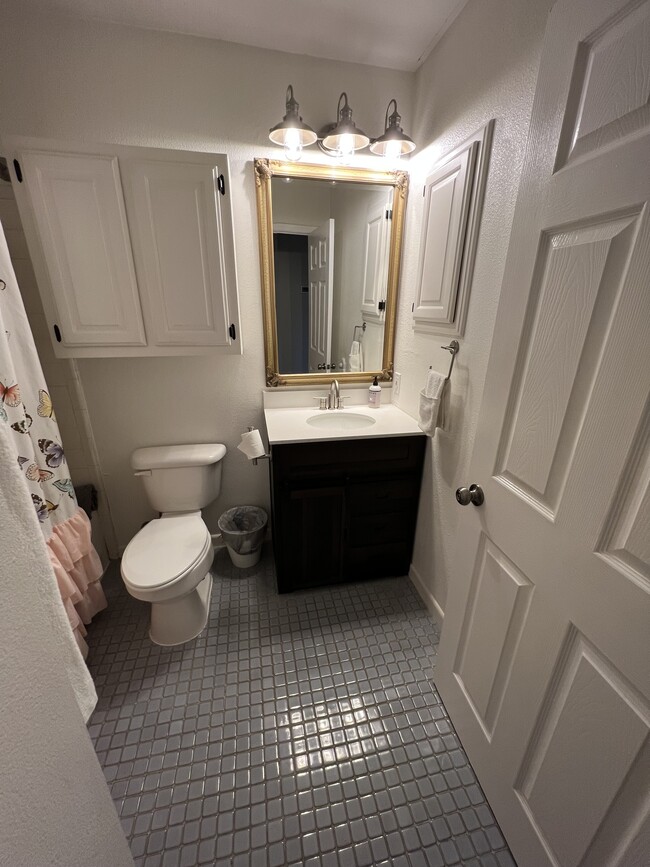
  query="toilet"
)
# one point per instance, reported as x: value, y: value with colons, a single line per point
x: 168, y: 562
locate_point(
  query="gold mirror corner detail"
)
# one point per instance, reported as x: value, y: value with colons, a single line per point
x: 265, y: 169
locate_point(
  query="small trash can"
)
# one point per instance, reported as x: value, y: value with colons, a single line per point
x: 242, y: 529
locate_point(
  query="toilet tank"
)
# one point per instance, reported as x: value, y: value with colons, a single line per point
x: 180, y: 478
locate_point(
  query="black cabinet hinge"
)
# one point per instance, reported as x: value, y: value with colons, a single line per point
x: 232, y: 332
x: 382, y: 305
x: 221, y: 185
x: 19, y: 171
x: 389, y: 213
x: 57, y: 333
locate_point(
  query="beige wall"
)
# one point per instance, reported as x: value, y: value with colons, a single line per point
x: 484, y: 67
x: 87, y: 81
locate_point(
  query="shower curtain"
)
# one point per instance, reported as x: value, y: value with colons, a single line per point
x: 27, y: 416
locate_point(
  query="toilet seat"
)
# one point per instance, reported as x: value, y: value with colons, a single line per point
x: 166, y: 552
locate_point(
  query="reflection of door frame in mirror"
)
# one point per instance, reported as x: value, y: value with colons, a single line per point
x: 265, y: 170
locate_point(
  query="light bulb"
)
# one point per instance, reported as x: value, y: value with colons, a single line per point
x: 292, y: 145
x: 393, y: 150
x: 345, y: 150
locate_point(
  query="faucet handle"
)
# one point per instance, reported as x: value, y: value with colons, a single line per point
x: 322, y: 401
x: 339, y: 402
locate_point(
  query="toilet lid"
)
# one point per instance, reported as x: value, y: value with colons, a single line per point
x: 164, y: 549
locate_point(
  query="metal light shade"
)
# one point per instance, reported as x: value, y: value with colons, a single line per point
x: 394, y: 142
x: 291, y: 131
x: 345, y: 135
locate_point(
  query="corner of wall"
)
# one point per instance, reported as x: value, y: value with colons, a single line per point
x: 426, y: 595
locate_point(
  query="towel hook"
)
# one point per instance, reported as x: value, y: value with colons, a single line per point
x: 362, y: 327
x: 453, y: 347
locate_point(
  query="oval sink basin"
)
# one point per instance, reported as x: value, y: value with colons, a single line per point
x: 340, y: 420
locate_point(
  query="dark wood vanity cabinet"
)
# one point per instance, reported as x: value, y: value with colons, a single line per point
x: 344, y: 510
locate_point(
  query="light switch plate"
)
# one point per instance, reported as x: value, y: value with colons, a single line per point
x: 397, y: 384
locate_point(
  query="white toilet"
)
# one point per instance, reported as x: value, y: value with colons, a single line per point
x: 168, y: 562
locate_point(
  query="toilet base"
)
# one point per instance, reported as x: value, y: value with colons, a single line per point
x: 181, y: 620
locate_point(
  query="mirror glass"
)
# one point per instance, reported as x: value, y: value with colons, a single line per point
x: 330, y: 248
x: 331, y: 244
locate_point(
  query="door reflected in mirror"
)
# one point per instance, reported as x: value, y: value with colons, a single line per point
x: 330, y: 245
x: 331, y: 249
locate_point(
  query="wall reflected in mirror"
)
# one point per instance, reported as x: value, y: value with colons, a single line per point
x: 331, y: 245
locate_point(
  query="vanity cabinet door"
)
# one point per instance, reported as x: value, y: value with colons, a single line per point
x: 311, y: 525
x: 344, y: 510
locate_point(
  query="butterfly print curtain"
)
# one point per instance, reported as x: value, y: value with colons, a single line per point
x: 26, y: 409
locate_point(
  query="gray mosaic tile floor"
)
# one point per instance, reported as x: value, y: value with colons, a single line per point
x: 302, y: 729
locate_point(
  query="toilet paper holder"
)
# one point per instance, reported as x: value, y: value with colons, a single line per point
x: 261, y: 457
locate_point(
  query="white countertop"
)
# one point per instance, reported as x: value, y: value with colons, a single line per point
x: 289, y: 424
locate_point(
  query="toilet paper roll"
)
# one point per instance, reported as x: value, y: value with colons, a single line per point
x: 251, y: 444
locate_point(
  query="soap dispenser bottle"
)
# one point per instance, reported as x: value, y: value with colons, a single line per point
x: 374, y: 394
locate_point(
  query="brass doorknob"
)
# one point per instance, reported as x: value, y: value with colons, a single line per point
x: 473, y: 494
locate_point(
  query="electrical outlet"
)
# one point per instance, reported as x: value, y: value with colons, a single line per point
x: 397, y: 384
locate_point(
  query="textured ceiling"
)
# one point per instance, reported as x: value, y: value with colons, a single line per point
x: 395, y: 35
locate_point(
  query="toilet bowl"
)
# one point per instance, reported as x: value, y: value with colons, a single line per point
x: 167, y: 563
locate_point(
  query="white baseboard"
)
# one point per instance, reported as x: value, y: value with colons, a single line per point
x: 427, y: 597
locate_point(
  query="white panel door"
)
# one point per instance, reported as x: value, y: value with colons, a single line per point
x: 375, y: 262
x: 178, y: 244
x: 79, y: 213
x: 447, y: 196
x: 544, y: 662
x: 321, y: 286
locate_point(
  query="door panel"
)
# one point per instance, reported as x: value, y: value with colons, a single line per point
x: 375, y: 261
x: 497, y: 608
x: 321, y: 286
x: 588, y: 697
x: 178, y: 234
x: 79, y: 211
x: 543, y: 661
x: 447, y: 199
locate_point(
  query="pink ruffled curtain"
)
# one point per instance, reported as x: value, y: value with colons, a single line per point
x: 78, y: 569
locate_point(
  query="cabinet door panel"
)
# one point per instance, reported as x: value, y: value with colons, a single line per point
x: 369, y: 529
x: 178, y: 241
x: 313, y: 536
x: 447, y: 199
x: 84, y: 237
x: 384, y: 495
x: 377, y: 561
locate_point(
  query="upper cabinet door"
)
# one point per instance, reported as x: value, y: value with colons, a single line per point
x: 81, y: 223
x: 184, y: 264
x: 447, y: 195
x: 375, y: 274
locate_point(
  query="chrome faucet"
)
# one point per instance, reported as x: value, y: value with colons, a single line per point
x: 334, y: 397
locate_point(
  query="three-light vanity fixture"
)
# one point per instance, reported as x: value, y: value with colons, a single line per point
x: 342, y: 138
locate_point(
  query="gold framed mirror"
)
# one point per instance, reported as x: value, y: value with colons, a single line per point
x: 330, y: 249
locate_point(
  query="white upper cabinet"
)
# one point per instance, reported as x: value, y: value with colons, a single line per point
x: 453, y: 200
x: 179, y: 247
x: 81, y: 221
x: 446, y: 206
x: 133, y: 248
